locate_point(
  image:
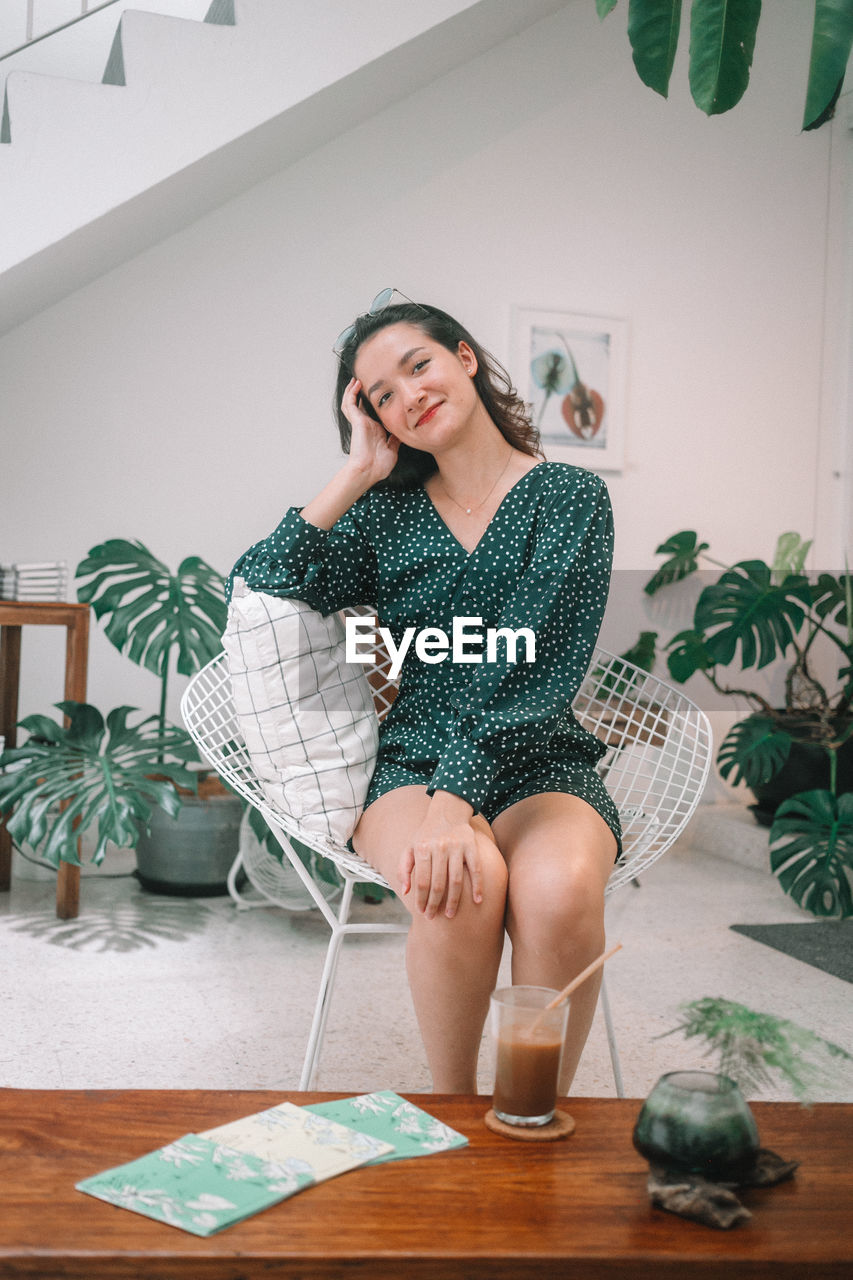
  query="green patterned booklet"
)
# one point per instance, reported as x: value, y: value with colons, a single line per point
x: 385, y: 1115
x: 205, y: 1182
x: 197, y: 1185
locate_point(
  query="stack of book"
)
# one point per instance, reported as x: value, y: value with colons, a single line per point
x: 45, y: 580
x: 203, y: 1182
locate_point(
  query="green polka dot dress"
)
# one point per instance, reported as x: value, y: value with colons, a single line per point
x: 492, y: 732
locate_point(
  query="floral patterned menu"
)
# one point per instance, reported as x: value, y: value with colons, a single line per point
x: 196, y: 1185
x: 295, y: 1134
x: 205, y: 1182
x: 385, y: 1115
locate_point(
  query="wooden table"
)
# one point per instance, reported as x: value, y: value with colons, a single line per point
x: 15, y: 614
x: 497, y: 1208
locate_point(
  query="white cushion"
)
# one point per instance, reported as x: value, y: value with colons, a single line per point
x: 306, y: 715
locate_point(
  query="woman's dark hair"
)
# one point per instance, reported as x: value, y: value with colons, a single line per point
x: 500, y: 398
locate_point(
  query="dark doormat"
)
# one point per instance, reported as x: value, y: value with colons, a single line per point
x: 826, y: 944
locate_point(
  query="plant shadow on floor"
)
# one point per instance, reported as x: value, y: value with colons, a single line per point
x: 131, y: 926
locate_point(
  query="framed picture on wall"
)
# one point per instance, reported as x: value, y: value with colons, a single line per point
x: 571, y: 371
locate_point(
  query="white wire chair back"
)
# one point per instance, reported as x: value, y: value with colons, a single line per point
x: 656, y: 766
x: 659, y: 755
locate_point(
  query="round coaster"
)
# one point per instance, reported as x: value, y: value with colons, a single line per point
x: 560, y: 1127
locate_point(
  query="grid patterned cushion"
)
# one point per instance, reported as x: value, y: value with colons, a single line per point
x: 307, y: 716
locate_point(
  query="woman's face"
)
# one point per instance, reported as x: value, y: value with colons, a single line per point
x: 422, y: 393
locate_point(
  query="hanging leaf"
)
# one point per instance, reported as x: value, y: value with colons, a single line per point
x: 754, y: 751
x: 815, y: 864
x: 604, y: 7
x: 722, y: 41
x: 745, y: 608
x: 684, y: 551
x: 99, y: 771
x: 688, y: 655
x: 832, y: 40
x: 653, y: 27
x: 150, y: 610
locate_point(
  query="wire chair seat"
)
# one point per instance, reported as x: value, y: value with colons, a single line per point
x: 655, y: 768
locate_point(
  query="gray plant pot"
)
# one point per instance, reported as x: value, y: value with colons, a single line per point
x: 191, y: 855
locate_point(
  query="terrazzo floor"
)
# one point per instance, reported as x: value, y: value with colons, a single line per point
x: 145, y: 991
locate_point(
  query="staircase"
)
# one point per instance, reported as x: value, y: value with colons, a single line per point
x: 188, y: 114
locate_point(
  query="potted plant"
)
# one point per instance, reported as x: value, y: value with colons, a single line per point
x: 696, y: 1128
x: 759, y: 1049
x: 105, y: 775
x: 162, y: 620
x: 797, y: 757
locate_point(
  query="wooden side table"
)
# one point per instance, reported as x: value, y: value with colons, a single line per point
x: 15, y: 614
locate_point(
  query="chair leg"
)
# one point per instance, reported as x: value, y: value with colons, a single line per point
x: 611, y: 1040
x: 324, y: 995
x: 233, y: 891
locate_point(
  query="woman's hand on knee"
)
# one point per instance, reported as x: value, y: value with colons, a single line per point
x: 443, y: 848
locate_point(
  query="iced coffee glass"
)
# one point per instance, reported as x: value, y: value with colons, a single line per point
x: 529, y: 1042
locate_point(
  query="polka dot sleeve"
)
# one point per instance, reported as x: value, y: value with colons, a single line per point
x: 327, y: 568
x: 510, y: 708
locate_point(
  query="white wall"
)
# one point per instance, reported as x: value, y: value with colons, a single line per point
x: 184, y: 398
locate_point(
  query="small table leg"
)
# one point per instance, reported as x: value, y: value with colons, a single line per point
x: 68, y: 890
x: 10, y: 666
x: 76, y: 659
x: 76, y: 620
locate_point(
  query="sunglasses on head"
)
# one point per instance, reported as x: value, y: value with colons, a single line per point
x: 379, y: 303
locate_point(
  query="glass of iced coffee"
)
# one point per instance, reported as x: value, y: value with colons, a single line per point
x: 529, y: 1042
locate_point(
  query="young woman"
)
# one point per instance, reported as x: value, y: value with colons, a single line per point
x: 485, y: 811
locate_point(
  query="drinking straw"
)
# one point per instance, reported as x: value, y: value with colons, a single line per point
x: 582, y: 977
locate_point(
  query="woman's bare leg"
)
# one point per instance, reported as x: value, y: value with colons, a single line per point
x: 560, y: 854
x: 452, y: 964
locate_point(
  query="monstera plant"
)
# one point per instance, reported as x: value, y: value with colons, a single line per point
x: 92, y: 774
x: 165, y: 621
x: 103, y: 772
x: 153, y: 613
x: 757, y: 612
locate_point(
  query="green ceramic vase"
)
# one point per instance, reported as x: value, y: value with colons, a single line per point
x: 697, y: 1122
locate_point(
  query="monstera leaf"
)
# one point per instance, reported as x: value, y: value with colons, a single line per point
x: 151, y: 610
x: 814, y: 854
x: 789, y: 556
x: 833, y: 598
x: 683, y: 550
x: 687, y: 655
x: 754, y: 750
x: 99, y: 772
x: 745, y: 607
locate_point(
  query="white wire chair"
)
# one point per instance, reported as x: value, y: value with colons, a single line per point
x: 656, y: 766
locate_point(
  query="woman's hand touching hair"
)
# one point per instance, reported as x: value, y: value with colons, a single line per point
x: 373, y: 452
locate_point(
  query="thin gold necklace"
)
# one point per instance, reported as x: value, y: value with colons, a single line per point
x: 470, y: 510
